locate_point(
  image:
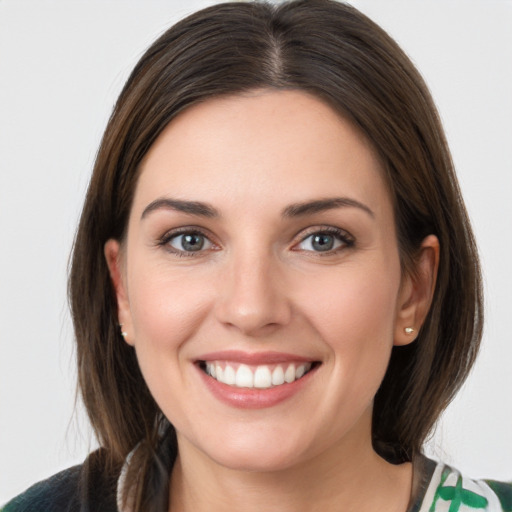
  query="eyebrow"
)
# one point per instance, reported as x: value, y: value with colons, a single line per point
x: 321, y: 205
x: 294, y: 210
x: 191, y: 207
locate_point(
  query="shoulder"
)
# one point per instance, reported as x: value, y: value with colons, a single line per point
x: 58, y: 492
x: 82, y: 487
x: 451, y: 491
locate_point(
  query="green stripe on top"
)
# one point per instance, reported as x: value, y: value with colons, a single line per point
x: 504, y: 493
x: 458, y: 496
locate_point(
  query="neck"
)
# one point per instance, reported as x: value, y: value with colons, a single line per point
x: 350, y: 477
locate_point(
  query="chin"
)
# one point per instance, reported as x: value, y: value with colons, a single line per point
x: 256, y: 461
x: 244, y: 451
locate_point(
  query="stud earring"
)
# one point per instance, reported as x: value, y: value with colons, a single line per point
x: 123, y: 334
x: 409, y: 330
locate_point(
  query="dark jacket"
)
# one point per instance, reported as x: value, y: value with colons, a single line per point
x: 83, y: 488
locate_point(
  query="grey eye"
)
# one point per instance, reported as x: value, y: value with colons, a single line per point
x: 190, y: 242
x: 321, y: 242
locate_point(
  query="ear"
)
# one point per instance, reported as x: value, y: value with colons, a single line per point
x: 416, y: 293
x: 113, y: 255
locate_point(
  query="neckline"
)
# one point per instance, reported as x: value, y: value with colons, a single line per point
x: 423, y: 470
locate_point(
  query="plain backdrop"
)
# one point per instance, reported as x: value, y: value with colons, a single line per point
x: 62, y: 64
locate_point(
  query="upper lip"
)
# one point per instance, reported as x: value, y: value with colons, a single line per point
x: 254, y: 358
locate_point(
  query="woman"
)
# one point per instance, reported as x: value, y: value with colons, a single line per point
x: 274, y: 285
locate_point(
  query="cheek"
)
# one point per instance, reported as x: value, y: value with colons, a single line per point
x: 166, y: 311
x: 354, y: 315
x: 166, y: 307
x: 353, y: 301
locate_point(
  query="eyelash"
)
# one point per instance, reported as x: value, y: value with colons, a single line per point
x: 341, y: 235
x: 168, y: 237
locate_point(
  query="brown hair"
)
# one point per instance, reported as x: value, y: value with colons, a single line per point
x: 332, y: 51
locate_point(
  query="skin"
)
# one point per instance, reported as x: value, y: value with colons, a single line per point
x: 260, y: 285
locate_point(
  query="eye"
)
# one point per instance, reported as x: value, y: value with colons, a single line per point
x: 325, y: 241
x: 188, y: 242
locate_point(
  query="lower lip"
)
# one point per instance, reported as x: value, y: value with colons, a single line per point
x: 254, y: 398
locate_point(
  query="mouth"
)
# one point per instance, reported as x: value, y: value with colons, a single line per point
x: 260, y: 376
x: 255, y: 380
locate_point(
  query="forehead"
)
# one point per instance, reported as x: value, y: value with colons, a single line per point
x: 263, y: 146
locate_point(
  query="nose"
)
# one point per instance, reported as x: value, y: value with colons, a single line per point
x: 253, y: 295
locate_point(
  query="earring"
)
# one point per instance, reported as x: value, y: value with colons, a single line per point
x: 409, y: 330
x: 123, y: 334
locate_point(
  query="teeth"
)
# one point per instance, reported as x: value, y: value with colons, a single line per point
x: 289, y: 374
x: 278, y: 376
x: 244, y: 377
x: 261, y: 377
x: 219, y: 373
x: 300, y: 371
x: 210, y: 369
x: 229, y: 375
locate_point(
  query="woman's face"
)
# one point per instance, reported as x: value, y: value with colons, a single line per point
x: 261, y: 246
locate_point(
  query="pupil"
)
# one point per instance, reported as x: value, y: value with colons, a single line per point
x: 323, y: 242
x: 192, y: 242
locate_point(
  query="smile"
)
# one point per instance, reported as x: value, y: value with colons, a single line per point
x: 255, y: 380
x: 255, y: 376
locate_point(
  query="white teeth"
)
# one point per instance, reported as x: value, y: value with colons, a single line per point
x: 300, y: 371
x: 244, y: 377
x: 219, y: 373
x: 229, y: 375
x: 261, y: 377
x: 278, y: 376
x: 289, y: 374
x: 210, y: 369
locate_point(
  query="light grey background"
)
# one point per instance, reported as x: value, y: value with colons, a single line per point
x: 62, y: 65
